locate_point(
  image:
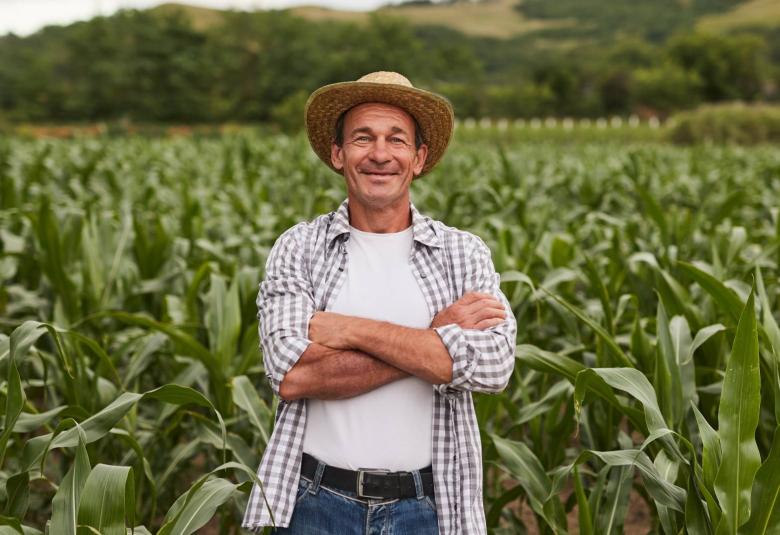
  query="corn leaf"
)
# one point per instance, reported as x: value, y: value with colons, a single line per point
x: 667, y: 371
x: 245, y: 396
x: 22, y: 338
x: 522, y: 464
x: 66, y: 501
x: 547, y: 362
x: 605, y: 337
x: 107, y: 499
x: 765, y: 499
x: 202, y: 505
x: 737, y: 422
x: 725, y: 297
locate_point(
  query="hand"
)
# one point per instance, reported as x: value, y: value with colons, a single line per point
x: 330, y: 329
x: 474, y: 310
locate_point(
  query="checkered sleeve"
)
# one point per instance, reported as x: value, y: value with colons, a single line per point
x: 482, y: 360
x: 285, y: 303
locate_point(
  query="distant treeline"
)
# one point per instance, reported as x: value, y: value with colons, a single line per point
x: 148, y: 66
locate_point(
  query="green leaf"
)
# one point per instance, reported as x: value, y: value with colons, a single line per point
x: 28, y: 422
x: 66, y: 502
x: 10, y: 526
x: 547, y: 362
x: 190, y: 346
x: 634, y: 383
x: 598, y: 284
x: 17, y: 489
x: 245, y: 396
x: 100, y: 423
x: 711, y: 451
x: 738, y: 415
x: 598, y: 329
x: 697, y: 522
x: 22, y: 338
x: 178, y: 508
x: 668, y: 468
x: 667, y: 372
x: 583, y: 507
x: 223, y: 320
x: 107, y: 499
x: 773, y: 334
x: 551, y: 398
x: 202, y: 505
x: 765, y: 499
x: 724, y: 296
x: 523, y: 465
x: 662, y: 491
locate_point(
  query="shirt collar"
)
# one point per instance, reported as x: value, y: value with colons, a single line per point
x: 422, y: 229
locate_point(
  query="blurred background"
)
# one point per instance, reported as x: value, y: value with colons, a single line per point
x: 145, y: 62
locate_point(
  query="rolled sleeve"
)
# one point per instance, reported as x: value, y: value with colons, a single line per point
x: 482, y: 360
x: 285, y: 303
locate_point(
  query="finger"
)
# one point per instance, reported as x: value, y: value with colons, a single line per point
x: 485, y: 302
x: 488, y: 323
x: 489, y: 312
x: 493, y: 314
x: 474, y: 296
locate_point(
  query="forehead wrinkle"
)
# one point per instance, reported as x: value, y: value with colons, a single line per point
x: 364, y: 129
x: 369, y: 130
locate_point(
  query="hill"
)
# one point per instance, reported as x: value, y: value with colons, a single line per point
x: 563, y: 19
x: 492, y: 18
x: 754, y: 13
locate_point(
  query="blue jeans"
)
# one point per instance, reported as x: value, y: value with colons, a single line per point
x: 320, y: 510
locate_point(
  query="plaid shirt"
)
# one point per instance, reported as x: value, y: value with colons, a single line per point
x: 305, y: 269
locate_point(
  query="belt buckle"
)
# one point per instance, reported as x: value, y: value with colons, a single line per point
x: 371, y: 471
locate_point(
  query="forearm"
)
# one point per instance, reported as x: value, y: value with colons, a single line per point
x: 419, y: 352
x: 326, y: 373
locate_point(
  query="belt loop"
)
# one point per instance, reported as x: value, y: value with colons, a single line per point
x: 315, y: 486
x: 418, y: 486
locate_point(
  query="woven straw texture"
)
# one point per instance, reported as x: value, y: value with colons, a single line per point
x: 433, y: 113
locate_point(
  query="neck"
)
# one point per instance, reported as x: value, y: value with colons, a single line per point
x: 391, y: 218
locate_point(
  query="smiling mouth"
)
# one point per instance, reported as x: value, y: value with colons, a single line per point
x: 378, y: 173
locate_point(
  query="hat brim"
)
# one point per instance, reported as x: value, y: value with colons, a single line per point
x: 432, y: 112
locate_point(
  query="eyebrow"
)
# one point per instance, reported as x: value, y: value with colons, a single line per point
x: 368, y: 130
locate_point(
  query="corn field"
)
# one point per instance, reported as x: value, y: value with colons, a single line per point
x: 644, y: 279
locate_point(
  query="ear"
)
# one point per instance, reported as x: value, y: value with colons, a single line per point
x: 337, y: 156
x: 421, y: 156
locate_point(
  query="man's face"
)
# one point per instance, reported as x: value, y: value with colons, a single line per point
x: 378, y: 156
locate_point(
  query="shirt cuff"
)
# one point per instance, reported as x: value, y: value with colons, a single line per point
x: 453, y: 338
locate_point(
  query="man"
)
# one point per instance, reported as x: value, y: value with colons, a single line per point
x: 376, y: 324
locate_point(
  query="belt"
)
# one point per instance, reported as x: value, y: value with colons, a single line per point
x: 369, y: 483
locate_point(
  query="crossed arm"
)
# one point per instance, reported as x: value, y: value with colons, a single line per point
x: 307, y: 354
x: 349, y: 356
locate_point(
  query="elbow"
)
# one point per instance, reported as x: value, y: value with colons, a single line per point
x: 501, y: 381
x: 443, y: 377
x: 288, y: 390
x: 500, y: 384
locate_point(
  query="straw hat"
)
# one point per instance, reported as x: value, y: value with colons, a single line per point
x: 433, y: 112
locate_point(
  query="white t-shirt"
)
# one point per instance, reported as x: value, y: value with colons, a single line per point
x: 389, y: 427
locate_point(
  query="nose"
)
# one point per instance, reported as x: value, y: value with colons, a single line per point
x: 379, y: 151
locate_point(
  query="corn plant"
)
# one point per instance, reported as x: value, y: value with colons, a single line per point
x: 644, y: 279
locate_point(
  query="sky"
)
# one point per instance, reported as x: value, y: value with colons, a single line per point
x: 24, y: 17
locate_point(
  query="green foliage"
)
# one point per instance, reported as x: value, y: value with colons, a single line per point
x: 735, y: 123
x: 628, y: 268
x: 651, y: 20
x: 161, y: 66
x: 727, y: 67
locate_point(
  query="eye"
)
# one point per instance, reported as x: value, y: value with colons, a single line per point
x: 397, y: 141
